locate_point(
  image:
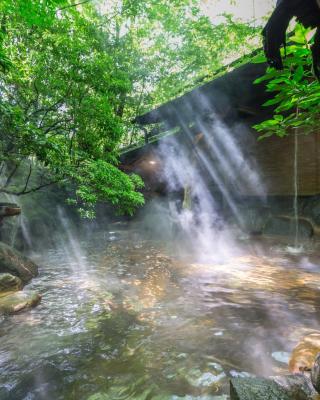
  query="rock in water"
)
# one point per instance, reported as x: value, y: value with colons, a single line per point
x: 18, y: 301
x: 257, y: 389
x: 315, y: 373
x: 9, y: 283
x: 299, y: 386
x: 290, y: 387
x: 15, y: 263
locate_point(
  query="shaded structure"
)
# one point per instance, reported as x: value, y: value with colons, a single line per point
x: 238, y: 102
x: 231, y: 96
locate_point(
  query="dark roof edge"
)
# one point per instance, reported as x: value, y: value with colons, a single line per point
x: 144, y: 118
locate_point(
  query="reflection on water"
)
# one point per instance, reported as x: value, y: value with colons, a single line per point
x: 124, y: 319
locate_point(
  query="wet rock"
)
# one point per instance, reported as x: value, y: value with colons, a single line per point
x: 304, y: 354
x: 289, y: 387
x: 18, y: 301
x: 15, y: 263
x: 9, y: 283
x: 256, y: 389
x: 315, y: 374
x: 299, y: 386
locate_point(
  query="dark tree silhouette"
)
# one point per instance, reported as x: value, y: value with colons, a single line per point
x: 308, y: 13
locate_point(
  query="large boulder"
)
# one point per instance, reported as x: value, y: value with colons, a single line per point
x: 18, y: 301
x: 289, y: 387
x: 15, y: 263
x: 315, y: 374
x: 256, y: 389
x: 299, y: 386
x: 9, y: 283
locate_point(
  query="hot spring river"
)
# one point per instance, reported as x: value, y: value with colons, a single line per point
x: 121, y: 318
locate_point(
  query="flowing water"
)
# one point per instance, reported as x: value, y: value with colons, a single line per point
x: 123, y: 317
x: 295, y: 199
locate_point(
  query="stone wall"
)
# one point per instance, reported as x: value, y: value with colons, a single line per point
x: 275, y: 215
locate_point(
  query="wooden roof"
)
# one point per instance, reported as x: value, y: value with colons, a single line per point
x: 232, y: 92
x: 235, y: 98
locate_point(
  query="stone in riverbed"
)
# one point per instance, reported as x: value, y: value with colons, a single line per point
x: 9, y: 283
x: 299, y: 386
x: 290, y: 387
x: 18, y: 301
x: 15, y: 263
x: 315, y: 374
x: 256, y: 389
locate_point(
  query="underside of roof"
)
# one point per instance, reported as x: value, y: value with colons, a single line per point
x: 233, y: 92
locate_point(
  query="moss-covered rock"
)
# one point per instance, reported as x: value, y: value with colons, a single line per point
x: 18, y: 301
x: 288, y: 387
x: 256, y: 389
x: 9, y: 283
x: 15, y: 263
x: 299, y: 386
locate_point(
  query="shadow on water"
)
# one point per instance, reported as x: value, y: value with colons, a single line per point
x: 127, y: 319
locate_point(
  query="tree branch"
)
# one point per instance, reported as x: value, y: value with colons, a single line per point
x: 23, y: 192
x: 74, y: 5
x: 11, y: 174
x: 56, y: 125
x: 2, y: 167
x: 28, y: 178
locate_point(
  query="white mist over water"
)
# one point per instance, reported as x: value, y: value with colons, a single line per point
x: 71, y: 246
x: 199, y: 224
x: 26, y: 231
x: 206, y: 167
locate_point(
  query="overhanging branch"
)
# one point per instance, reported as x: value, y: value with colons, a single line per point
x: 74, y: 5
x: 24, y: 191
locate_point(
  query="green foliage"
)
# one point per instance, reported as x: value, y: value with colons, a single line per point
x: 108, y: 182
x: 297, y: 91
x: 59, y: 110
x: 168, y: 47
x: 73, y: 77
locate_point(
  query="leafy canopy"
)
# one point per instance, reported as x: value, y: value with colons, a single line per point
x: 74, y: 77
x: 296, y: 91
